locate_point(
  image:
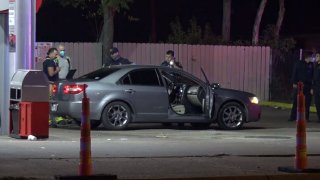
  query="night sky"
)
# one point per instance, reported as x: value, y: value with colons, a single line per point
x: 67, y: 24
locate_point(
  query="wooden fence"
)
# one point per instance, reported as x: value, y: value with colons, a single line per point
x: 244, y: 68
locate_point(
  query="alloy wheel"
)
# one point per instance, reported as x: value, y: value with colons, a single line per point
x: 117, y: 115
x: 232, y: 116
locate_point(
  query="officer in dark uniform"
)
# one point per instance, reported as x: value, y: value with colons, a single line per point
x: 170, y: 60
x: 303, y: 71
x: 50, y: 65
x: 316, y: 85
x: 116, y: 59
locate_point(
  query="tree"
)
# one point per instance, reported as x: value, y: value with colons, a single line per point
x: 226, y: 20
x: 280, y: 19
x: 107, y: 9
x: 178, y: 35
x: 256, y: 26
x: 195, y: 34
x: 110, y: 7
x: 153, y: 7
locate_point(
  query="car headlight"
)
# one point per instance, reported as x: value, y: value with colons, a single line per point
x: 254, y: 100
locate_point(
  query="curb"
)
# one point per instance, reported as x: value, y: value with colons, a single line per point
x: 282, y: 105
x: 261, y: 177
x: 294, y: 176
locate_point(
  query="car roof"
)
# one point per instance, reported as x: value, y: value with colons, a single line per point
x: 135, y: 66
x: 131, y: 67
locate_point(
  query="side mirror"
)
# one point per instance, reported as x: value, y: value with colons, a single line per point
x: 215, y: 85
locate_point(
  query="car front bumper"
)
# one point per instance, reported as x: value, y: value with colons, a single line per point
x: 254, y: 112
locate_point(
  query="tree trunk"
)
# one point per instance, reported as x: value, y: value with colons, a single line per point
x: 226, y: 21
x: 280, y: 19
x: 153, y: 21
x: 107, y: 32
x: 256, y: 26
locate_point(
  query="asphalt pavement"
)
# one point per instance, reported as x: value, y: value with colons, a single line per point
x: 151, y: 151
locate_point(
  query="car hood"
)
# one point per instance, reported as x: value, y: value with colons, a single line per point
x: 232, y: 92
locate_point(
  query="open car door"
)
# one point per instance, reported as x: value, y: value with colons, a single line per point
x: 208, y: 105
x: 209, y: 102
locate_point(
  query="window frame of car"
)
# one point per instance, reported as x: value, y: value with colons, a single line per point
x: 129, y: 75
x: 100, y: 74
x: 182, y: 73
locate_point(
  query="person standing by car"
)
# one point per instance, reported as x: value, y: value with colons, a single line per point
x: 303, y: 71
x: 64, y: 64
x: 316, y: 85
x: 170, y: 60
x: 50, y: 66
x: 51, y: 69
x: 116, y: 59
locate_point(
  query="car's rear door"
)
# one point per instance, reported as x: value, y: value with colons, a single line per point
x: 148, y: 94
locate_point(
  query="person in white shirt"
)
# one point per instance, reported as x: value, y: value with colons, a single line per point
x: 64, y: 63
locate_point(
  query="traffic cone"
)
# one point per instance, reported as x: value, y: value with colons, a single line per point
x: 301, y: 159
x: 85, y: 167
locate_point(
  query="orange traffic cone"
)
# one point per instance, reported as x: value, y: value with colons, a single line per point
x: 85, y: 166
x: 300, y: 164
x: 301, y: 159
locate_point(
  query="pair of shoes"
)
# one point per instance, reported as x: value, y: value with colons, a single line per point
x: 53, y: 125
x: 62, y: 122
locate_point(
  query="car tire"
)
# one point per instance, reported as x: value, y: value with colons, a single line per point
x: 93, y: 124
x: 116, y: 116
x: 231, y: 116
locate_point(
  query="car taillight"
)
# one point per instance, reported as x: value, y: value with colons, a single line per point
x: 54, y: 88
x: 73, y: 89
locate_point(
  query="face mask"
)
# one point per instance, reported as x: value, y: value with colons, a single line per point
x: 61, y: 53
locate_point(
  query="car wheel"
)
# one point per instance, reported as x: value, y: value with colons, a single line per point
x: 200, y: 125
x: 116, y: 116
x: 93, y: 124
x: 231, y: 116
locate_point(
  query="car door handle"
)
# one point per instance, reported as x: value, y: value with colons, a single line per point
x: 131, y: 91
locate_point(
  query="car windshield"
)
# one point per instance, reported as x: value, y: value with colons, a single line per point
x: 99, y: 74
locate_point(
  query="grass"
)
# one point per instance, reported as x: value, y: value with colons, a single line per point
x: 283, y: 105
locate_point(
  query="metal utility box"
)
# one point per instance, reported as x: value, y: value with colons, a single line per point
x: 29, y: 104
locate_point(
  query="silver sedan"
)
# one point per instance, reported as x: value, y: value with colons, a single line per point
x: 120, y: 95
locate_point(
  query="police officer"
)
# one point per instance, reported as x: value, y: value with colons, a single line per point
x: 116, y: 59
x: 170, y: 60
x: 316, y: 85
x: 303, y: 71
